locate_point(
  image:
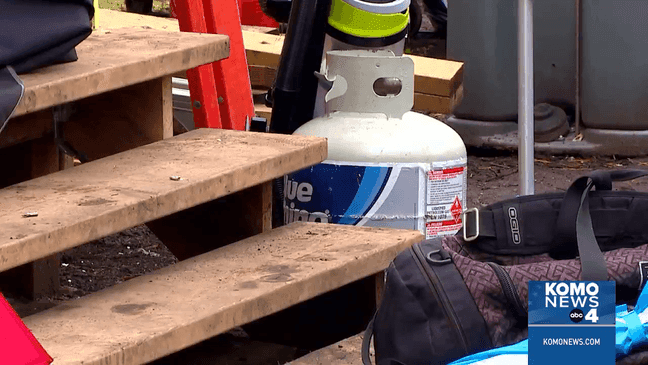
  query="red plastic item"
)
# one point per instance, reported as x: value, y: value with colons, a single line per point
x: 202, y: 88
x: 251, y: 14
x: 230, y: 76
x: 18, y: 346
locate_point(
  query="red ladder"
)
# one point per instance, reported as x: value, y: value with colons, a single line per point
x: 221, y: 94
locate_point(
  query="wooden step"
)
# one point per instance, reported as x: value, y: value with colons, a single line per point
x: 109, y: 60
x: 345, y: 352
x: 157, y: 314
x: 121, y: 191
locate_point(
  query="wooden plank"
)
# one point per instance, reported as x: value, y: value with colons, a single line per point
x: 154, y: 315
x: 38, y: 158
x: 42, y: 276
x: 263, y: 49
x: 266, y: 206
x: 345, y: 352
x: 422, y: 102
x: 26, y: 128
x: 162, y: 103
x: 259, y: 29
x: 437, y: 77
x: 432, y: 76
x: 121, y: 191
x: 438, y: 104
x: 113, y: 59
x: 380, y: 285
x: 263, y: 111
x: 123, y: 119
x: 114, y: 19
x: 226, y: 220
x: 262, y: 76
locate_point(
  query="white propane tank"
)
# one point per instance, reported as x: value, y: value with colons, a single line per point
x: 387, y: 166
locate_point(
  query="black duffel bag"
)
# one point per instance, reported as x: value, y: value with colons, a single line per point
x: 545, y: 223
x: 35, y: 34
x: 446, y: 298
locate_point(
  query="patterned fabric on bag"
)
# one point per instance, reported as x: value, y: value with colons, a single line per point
x: 484, y: 286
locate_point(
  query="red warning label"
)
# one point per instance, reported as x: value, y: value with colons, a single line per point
x: 456, y: 209
x: 446, y: 192
x: 439, y: 229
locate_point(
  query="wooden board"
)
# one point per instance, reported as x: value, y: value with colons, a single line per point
x: 437, y: 77
x: 438, y: 104
x: 36, y: 158
x: 262, y: 76
x: 115, y: 19
x: 432, y: 76
x: 154, y: 315
x: 263, y: 111
x: 112, y: 59
x: 422, y: 102
x: 26, y: 128
x: 345, y: 352
x: 121, y: 191
x: 226, y: 220
x: 123, y: 119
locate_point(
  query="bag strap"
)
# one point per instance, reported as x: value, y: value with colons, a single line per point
x: 566, y: 224
x: 366, y: 343
x: 592, y: 260
x: 603, y: 179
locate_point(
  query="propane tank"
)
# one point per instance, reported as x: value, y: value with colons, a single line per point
x: 387, y: 166
x: 363, y: 24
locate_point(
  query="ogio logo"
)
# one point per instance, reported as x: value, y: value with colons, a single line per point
x: 515, y: 225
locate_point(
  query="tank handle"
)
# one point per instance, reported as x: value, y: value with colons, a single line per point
x: 336, y: 86
x: 369, y: 81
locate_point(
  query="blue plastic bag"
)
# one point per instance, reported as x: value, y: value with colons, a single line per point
x: 517, y: 354
x: 632, y: 326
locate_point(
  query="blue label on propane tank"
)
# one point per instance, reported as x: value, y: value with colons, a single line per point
x: 369, y: 194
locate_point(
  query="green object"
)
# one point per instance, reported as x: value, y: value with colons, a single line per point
x: 360, y: 23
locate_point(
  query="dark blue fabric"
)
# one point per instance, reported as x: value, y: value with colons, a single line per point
x: 35, y: 34
x: 38, y: 33
x: 11, y: 91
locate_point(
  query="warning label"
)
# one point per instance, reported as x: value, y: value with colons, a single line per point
x: 438, y: 229
x: 446, y: 192
x: 456, y: 209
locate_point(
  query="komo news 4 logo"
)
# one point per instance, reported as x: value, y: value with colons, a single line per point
x: 571, y: 320
x: 574, y: 295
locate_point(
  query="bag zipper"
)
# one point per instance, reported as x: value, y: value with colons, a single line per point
x: 511, y: 294
x: 436, y: 288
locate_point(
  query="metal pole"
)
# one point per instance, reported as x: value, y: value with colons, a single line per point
x: 578, y: 64
x: 525, y: 96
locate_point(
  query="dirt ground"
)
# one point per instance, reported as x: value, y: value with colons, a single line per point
x: 493, y: 176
